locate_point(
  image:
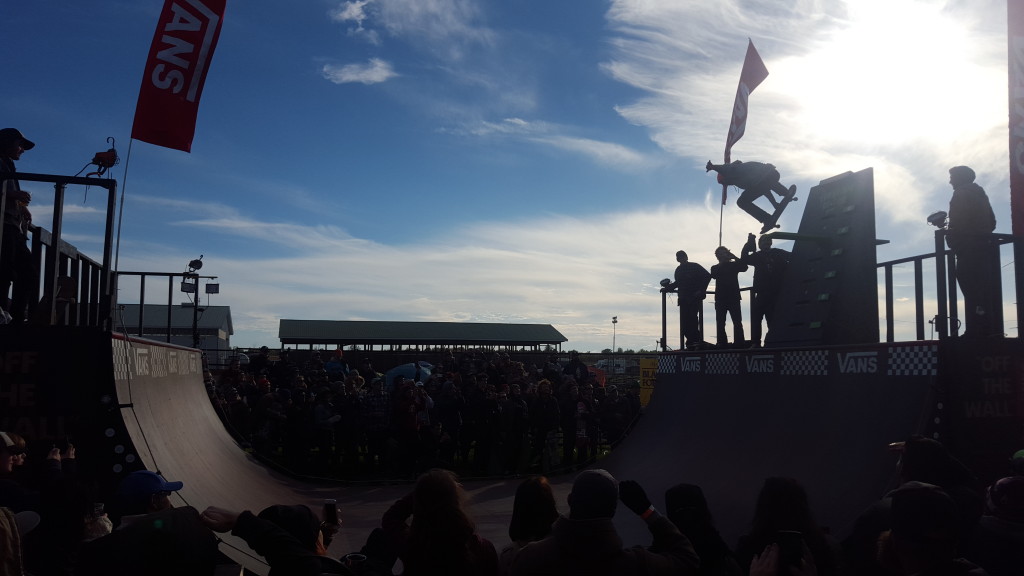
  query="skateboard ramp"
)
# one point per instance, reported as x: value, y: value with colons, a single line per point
x: 175, y: 430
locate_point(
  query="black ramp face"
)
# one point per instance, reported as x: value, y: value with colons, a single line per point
x: 727, y: 421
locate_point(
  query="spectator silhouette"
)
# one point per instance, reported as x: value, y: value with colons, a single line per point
x: 997, y: 543
x: 587, y: 543
x: 782, y: 506
x: 153, y: 537
x: 925, y: 530
x: 922, y: 460
x: 289, y: 537
x: 533, y: 513
x: 687, y: 508
x: 441, y: 538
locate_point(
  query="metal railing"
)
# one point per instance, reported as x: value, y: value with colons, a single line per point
x: 76, y: 290
x: 946, y: 320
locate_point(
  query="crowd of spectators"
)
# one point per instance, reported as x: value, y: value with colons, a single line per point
x: 938, y: 521
x: 477, y: 413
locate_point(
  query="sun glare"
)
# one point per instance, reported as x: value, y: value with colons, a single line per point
x: 896, y: 72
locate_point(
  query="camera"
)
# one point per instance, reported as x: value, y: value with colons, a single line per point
x: 938, y: 219
x: 665, y: 282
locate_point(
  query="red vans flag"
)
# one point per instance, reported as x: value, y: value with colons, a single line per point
x: 179, y: 59
x: 754, y: 72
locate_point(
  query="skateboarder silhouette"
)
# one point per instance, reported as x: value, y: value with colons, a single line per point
x: 756, y: 179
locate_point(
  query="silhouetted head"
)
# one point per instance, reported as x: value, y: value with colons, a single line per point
x: 1005, y: 499
x: 13, y: 143
x: 298, y: 520
x: 960, y: 175
x: 595, y: 494
x: 685, y: 505
x: 144, y: 492
x: 682, y: 257
x: 782, y: 505
x: 927, y: 460
x: 533, y: 510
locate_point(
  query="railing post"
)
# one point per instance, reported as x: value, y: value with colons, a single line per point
x: 919, y: 298
x: 1018, y: 279
x: 890, y: 323
x: 942, y: 320
x: 664, y: 322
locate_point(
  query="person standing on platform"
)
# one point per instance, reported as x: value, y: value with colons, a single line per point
x: 691, y: 284
x: 16, y: 267
x: 727, y: 295
x: 971, y: 222
x: 770, y: 266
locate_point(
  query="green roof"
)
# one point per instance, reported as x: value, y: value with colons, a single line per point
x: 344, y: 332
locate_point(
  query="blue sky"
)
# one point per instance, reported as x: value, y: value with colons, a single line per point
x: 518, y: 161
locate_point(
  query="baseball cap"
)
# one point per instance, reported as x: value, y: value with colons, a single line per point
x: 15, y: 135
x: 136, y: 488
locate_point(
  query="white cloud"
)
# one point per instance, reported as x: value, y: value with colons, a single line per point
x: 373, y: 72
x: 555, y: 136
x: 906, y: 86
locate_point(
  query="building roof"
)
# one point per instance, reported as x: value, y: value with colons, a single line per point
x: 155, y: 317
x: 343, y: 332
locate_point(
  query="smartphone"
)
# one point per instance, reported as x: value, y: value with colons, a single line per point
x: 791, y: 549
x: 331, y: 511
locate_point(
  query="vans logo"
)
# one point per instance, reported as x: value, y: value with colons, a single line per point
x: 761, y: 364
x: 858, y: 362
x: 691, y: 364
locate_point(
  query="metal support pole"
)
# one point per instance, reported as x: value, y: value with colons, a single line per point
x: 942, y: 320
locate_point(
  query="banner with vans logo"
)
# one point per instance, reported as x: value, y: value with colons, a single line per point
x: 179, y: 59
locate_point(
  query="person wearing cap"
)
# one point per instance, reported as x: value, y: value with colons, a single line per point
x: 924, y: 533
x: 969, y: 228
x: 924, y: 460
x: 153, y: 537
x: 289, y: 537
x: 16, y: 267
x: 587, y: 543
x: 143, y: 492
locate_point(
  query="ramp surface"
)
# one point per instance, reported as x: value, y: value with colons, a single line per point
x: 727, y: 420
x: 175, y: 430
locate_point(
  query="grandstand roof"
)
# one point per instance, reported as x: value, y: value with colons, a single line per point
x: 345, y: 332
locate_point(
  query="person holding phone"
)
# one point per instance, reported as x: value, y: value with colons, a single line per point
x: 784, y: 534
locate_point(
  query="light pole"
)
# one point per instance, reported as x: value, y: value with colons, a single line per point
x: 615, y: 320
x: 193, y: 288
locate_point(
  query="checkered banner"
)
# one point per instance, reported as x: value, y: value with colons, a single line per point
x: 911, y: 359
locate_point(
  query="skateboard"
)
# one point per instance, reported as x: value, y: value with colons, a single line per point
x: 772, y: 222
